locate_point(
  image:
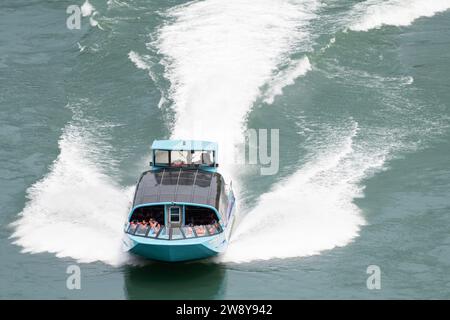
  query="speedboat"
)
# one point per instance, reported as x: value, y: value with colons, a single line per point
x: 182, y: 208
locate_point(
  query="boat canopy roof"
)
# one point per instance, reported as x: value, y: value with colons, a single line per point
x: 184, y: 145
x: 185, y: 185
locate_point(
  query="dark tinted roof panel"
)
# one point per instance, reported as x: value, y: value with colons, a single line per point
x: 179, y: 185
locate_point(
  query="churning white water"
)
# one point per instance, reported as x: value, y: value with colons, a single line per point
x: 217, y: 56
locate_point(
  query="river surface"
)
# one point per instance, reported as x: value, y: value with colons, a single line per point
x: 360, y: 94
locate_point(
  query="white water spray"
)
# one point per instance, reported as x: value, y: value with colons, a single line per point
x: 218, y: 56
x: 373, y: 14
x: 76, y: 210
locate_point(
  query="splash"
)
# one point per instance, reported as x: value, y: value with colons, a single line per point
x: 286, y: 77
x: 138, y: 61
x: 218, y: 54
x: 87, y: 9
x: 76, y: 210
x: 312, y: 210
x: 374, y: 14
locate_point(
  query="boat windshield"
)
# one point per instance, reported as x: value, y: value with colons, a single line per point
x: 183, y: 158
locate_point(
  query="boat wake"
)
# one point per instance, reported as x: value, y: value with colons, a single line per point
x: 286, y: 77
x: 311, y: 210
x: 76, y: 210
x: 373, y: 14
x: 220, y: 57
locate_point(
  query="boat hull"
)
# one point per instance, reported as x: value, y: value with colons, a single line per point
x: 175, y: 250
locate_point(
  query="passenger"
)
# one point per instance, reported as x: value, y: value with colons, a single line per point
x: 141, y: 229
x: 188, y: 231
x: 155, y: 224
x: 143, y: 223
x: 200, y: 230
x: 206, y: 158
x: 143, y: 226
x: 152, y: 225
x: 178, y: 163
x: 212, y: 229
x: 157, y: 227
x: 212, y: 218
x: 132, y: 227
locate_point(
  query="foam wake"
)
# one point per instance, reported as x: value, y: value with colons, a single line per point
x: 286, y: 77
x: 375, y: 13
x: 139, y: 61
x: 76, y: 210
x: 218, y: 55
x: 312, y: 210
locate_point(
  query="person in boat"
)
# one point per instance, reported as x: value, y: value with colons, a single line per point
x: 200, y: 230
x: 133, y: 226
x: 188, y: 230
x: 157, y: 226
x: 212, y: 225
x: 206, y: 158
x: 151, y: 225
x: 212, y: 228
x: 141, y: 228
x: 154, y: 227
x: 178, y: 163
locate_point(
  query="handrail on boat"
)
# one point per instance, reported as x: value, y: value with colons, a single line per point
x: 173, y: 233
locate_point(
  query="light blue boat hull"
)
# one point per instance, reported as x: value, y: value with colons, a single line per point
x: 176, y: 250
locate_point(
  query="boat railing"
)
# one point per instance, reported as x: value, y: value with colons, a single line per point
x: 173, y: 233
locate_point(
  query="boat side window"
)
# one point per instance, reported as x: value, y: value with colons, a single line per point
x: 207, y: 158
x: 189, y: 232
x: 142, y: 230
x: 196, y: 157
x: 163, y: 234
x: 179, y: 158
x: 184, y: 158
x: 175, y: 214
x: 132, y: 227
x: 201, y: 231
x: 161, y: 157
x: 202, y: 158
x: 176, y: 234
